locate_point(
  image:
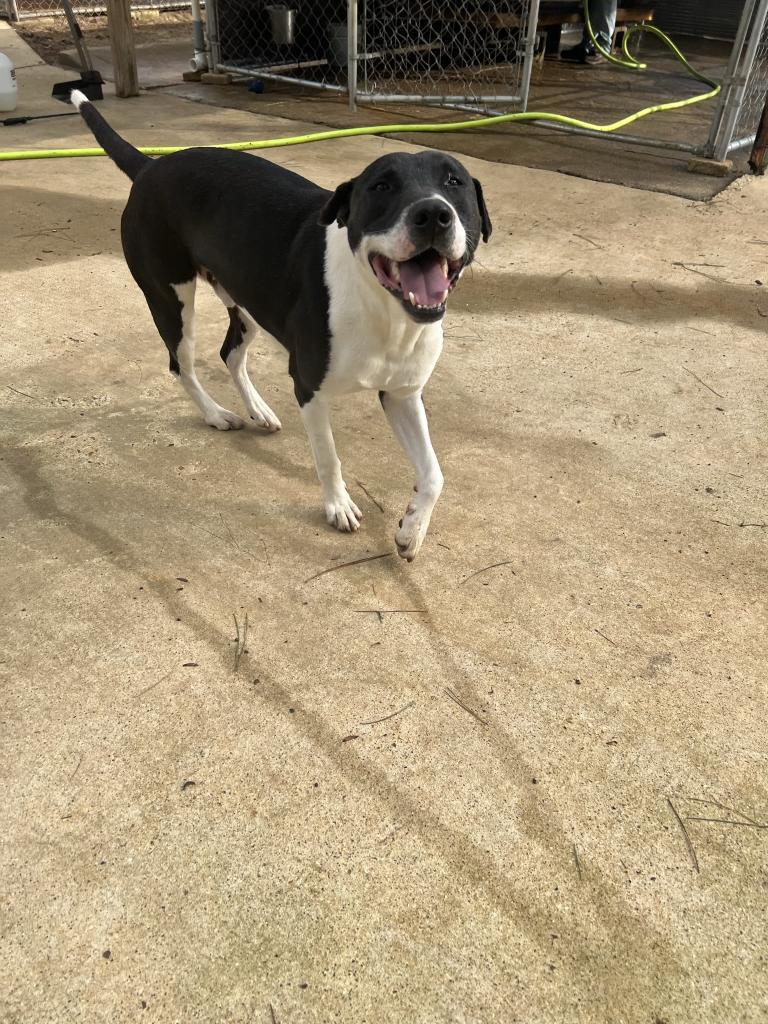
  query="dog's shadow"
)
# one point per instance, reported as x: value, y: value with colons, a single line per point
x: 535, y: 818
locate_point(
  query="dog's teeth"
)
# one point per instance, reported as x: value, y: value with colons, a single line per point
x: 394, y: 270
x: 444, y: 266
x: 411, y: 299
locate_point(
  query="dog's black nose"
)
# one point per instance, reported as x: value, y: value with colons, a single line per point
x: 430, y: 216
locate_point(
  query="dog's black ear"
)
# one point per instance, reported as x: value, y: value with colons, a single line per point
x: 485, y: 220
x: 337, y: 207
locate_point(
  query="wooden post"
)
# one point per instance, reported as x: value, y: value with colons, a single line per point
x: 757, y: 156
x: 123, y: 48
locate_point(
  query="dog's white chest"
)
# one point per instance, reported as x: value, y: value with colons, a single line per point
x: 365, y: 357
x: 374, y: 344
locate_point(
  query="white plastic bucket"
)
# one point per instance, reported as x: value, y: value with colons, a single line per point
x: 9, y: 95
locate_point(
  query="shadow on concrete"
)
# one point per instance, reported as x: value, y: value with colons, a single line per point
x: 44, y: 226
x: 537, y: 817
x: 580, y: 293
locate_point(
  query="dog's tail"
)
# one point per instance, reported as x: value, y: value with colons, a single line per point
x: 127, y: 157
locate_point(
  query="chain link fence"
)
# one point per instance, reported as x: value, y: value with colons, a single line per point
x: 470, y: 52
x: 20, y: 10
x: 744, y: 85
x: 467, y: 52
x: 304, y: 42
x: 755, y: 90
x: 475, y: 54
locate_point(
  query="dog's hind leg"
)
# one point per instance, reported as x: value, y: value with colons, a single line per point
x: 173, y: 310
x: 242, y: 330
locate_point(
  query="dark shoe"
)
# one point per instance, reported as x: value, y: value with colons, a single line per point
x: 581, y: 54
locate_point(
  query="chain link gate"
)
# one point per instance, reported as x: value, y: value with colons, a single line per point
x: 467, y: 53
x: 472, y: 53
x: 745, y: 85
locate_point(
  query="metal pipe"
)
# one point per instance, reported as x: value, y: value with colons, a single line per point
x: 352, y: 48
x: 737, y: 85
x: 529, y: 51
x: 731, y: 115
x: 635, y: 140
x: 77, y: 37
x: 363, y: 43
x: 474, y: 109
x: 453, y: 101
x: 270, y: 77
x: 395, y: 51
x: 212, y: 33
x: 199, y: 61
x: 556, y: 126
x: 741, y: 143
x: 728, y: 77
x: 282, y: 66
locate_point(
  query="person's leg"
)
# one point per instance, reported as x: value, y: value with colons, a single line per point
x: 602, y: 14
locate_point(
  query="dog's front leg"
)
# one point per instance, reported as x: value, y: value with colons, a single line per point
x: 340, y: 510
x: 408, y: 419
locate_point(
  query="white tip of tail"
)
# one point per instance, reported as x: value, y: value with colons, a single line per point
x: 77, y: 98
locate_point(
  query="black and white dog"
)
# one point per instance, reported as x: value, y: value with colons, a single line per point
x: 353, y: 283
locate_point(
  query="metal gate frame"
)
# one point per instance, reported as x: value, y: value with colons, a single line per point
x: 355, y: 58
x: 745, y: 76
x: 733, y: 125
x: 736, y: 110
x: 469, y: 102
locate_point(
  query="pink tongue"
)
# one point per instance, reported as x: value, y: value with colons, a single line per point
x: 425, y: 278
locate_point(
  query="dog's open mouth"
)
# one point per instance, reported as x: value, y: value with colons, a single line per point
x: 423, y: 282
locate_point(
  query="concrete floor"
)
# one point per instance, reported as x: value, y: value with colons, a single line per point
x: 319, y: 832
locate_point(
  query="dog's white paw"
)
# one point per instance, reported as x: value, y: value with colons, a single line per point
x: 263, y: 416
x: 411, y: 534
x: 342, y: 513
x: 223, y: 419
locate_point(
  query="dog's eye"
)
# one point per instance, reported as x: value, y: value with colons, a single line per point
x: 381, y: 186
x: 453, y: 181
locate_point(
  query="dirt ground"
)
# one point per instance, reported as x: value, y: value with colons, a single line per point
x: 49, y: 37
x: 521, y: 780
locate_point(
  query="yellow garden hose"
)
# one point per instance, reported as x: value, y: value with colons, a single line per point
x: 629, y: 62
x: 633, y: 64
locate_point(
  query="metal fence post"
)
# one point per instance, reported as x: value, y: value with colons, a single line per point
x: 735, y: 79
x: 529, y: 52
x: 212, y: 34
x: 352, y: 53
x: 200, y: 60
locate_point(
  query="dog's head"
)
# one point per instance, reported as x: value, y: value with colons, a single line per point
x: 414, y: 220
